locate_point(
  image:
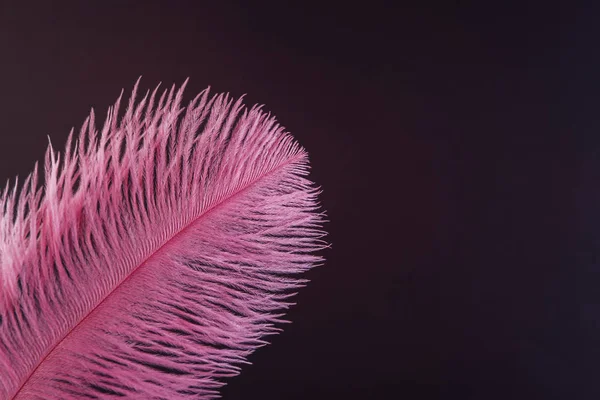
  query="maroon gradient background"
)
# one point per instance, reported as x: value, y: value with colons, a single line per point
x: 457, y: 147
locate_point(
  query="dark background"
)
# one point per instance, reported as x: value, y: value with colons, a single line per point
x: 458, y: 149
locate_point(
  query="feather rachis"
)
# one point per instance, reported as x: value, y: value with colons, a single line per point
x: 135, y: 214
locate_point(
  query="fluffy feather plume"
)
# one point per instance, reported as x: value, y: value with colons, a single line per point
x: 158, y: 253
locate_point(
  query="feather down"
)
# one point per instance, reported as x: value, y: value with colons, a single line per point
x: 158, y: 253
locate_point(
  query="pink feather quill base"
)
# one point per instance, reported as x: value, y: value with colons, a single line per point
x: 158, y: 254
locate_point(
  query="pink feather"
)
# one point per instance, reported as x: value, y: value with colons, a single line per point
x: 158, y: 254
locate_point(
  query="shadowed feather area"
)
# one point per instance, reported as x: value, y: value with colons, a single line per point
x: 157, y: 254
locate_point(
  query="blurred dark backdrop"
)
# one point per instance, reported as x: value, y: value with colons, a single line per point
x: 458, y: 149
